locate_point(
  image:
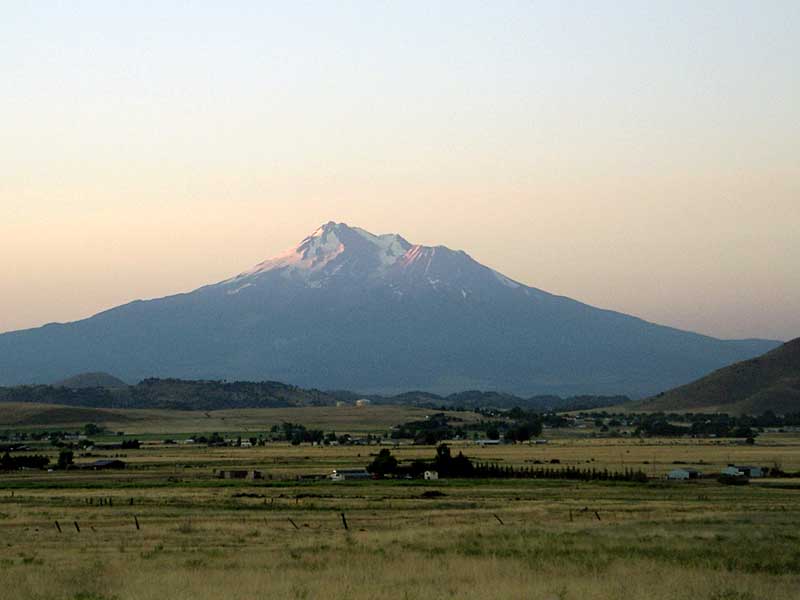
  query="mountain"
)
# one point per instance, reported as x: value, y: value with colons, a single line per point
x: 347, y: 309
x: 768, y: 382
x: 91, y: 380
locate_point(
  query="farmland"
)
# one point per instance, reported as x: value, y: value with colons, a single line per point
x: 165, y: 527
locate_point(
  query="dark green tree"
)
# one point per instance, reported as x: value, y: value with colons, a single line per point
x: 92, y: 429
x: 384, y: 463
x: 65, y: 458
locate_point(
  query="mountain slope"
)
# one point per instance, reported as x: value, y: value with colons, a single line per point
x: 348, y: 309
x: 768, y: 382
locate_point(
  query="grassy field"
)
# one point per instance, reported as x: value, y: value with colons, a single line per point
x: 200, y: 537
x: 348, y: 419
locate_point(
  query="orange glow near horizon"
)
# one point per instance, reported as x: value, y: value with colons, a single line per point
x: 636, y: 158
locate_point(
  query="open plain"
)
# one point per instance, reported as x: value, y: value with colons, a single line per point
x: 165, y: 527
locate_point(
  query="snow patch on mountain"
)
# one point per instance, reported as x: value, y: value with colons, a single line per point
x: 390, y: 246
x: 506, y: 281
x: 313, y: 254
x: 239, y: 289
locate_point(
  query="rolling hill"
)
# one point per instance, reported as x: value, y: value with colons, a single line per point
x: 91, y: 380
x: 768, y: 382
x: 177, y: 394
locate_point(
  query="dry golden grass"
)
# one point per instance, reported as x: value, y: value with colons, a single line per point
x: 704, y: 541
x: 206, y: 538
x: 342, y: 419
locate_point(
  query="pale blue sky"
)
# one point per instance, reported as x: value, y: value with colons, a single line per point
x: 639, y: 156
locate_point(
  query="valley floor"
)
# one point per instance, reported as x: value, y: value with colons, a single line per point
x: 201, y: 537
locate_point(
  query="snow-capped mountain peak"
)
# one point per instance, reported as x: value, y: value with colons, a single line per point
x: 337, y: 254
x: 331, y: 246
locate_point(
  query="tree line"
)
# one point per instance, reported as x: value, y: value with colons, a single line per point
x: 460, y: 466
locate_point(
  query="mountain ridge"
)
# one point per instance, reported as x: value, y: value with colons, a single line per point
x: 352, y: 310
x: 767, y: 382
x: 178, y: 394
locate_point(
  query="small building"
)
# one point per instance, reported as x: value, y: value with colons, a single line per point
x: 683, y: 474
x: 363, y: 402
x: 344, y: 474
x: 431, y: 475
x: 751, y: 471
x: 487, y: 442
x: 733, y: 471
x: 238, y: 474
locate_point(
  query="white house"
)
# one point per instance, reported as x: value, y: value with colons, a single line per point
x: 431, y: 475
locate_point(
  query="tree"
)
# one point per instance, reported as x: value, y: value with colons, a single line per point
x: 448, y: 466
x: 384, y: 463
x: 92, y: 429
x: 516, y: 413
x: 522, y: 432
x: 64, y: 458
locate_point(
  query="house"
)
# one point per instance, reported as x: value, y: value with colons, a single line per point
x: 238, y: 474
x: 751, y: 471
x: 683, y: 474
x: 103, y: 464
x: 732, y: 471
x: 431, y: 475
x: 343, y: 474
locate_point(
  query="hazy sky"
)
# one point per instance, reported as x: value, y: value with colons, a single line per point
x: 639, y: 156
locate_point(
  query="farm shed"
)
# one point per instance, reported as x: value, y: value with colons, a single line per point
x: 683, y: 474
x: 487, y: 442
x: 431, y: 475
x: 752, y: 471
x: 343, y: 474
x: 732, y: 471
